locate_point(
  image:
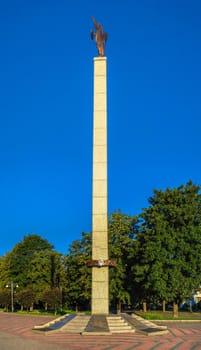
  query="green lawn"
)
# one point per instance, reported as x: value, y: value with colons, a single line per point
x: 159, y: 315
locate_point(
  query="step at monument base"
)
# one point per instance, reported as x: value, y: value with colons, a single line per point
x: 76, y: 325
x: 117, y: 324
x: 101, y: 325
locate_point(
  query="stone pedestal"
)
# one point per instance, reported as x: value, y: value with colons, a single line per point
x: 100, y: 272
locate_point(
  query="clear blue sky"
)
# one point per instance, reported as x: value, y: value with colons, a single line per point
x: 46, y: 91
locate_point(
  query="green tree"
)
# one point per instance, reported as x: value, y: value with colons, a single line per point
x: 5, y: 273
x: 78, y: 287
x: 121, y: 229
x: 46, y: 270
x: 33, y: 265
x: 169, y: 245
x: 5, y: 298
x: 21, y: 256
x: 52, y: 299
x: 26, y: 298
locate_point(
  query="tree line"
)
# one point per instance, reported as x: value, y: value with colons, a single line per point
x: 158, y: 255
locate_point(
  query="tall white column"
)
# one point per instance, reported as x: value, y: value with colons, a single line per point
x: 100, y: 274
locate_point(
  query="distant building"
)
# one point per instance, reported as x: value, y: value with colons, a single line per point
x: 197, y: 296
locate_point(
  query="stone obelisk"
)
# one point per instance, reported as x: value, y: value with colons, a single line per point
x: 100, y: 273
x: 100, y: 270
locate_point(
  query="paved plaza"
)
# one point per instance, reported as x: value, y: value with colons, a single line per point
x: 16, y: 334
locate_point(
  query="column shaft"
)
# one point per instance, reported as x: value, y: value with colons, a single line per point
x: 100, y: 276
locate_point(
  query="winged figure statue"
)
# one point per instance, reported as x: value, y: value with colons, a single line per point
x: 100, y: 37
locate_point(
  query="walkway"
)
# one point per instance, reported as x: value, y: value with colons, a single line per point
x: 16, y: 333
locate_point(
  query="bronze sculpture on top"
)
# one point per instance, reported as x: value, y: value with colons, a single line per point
x: 100, y: 37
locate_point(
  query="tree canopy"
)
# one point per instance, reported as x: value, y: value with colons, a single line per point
x: 169, y: 244
x: 157, y: 252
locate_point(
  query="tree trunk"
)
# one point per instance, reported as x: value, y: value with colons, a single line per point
x: 175, y: 310
x: 118, y: 307
x: 164, y: 302
x: 144, y: 307
x: 190, y: 307
x: 31, y: 307
x: 76, y: 307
